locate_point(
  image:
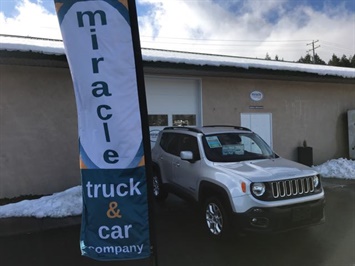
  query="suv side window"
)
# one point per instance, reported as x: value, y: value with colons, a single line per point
x: 164, y: 140
x: 189, y: 143
x: 174, y: 143
x: 170, y: 143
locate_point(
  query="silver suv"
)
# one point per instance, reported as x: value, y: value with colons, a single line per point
x: 237, y: 179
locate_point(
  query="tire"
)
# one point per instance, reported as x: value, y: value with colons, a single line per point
x: 216, y: 218
x: 159, y: 193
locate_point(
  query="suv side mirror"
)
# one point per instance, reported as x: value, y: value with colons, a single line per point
x: 187, y: 156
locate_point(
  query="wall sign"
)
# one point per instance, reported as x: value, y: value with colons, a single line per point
x: 256, y: 96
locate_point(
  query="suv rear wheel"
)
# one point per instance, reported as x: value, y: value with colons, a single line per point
x: 159, y: 192
x: 216, y: 218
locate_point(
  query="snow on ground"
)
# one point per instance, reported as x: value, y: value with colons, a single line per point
x: 69, y: 202
x: 337, y: 168
x: 61, y: 204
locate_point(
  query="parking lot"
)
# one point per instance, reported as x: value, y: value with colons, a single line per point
x: 181, y: 240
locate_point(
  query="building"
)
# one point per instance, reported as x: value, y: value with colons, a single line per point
x: 286, y: 103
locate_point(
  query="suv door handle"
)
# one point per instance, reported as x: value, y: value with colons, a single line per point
x: 177, y: 164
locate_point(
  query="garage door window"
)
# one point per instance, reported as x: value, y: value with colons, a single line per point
x: 158, y: 120
x: 184, y: 120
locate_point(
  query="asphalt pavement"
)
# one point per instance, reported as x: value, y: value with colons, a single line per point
x: 181, y: 239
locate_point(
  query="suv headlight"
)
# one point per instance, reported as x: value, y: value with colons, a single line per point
x: 315, y: 181
x: 258, y: 189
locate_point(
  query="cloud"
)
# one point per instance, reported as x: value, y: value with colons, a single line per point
x: 30, y: 19
x: 248, y: 28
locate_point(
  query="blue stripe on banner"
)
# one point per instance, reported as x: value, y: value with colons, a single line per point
x: 85, y: 158
x: 67, y: 4
x: 140, y: 153
x: 89, y: 164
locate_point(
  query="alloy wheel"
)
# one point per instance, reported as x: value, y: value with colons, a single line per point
x: 214, y: 218
x: 156, y: 186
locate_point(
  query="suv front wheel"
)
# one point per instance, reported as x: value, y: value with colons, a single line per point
x: 216, y: 218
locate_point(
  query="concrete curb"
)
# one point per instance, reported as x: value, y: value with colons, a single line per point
x: 26, y: 225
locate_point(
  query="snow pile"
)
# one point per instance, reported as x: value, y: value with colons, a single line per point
x: 56, y: 47
x: 232, y: 61
x: 69, y: 202
x: 337, y: 168
x: 62, y: 204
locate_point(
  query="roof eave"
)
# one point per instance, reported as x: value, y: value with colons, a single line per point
x: 35, y: 58
x: 158, y: 67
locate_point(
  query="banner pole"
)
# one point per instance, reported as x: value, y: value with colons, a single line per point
x: 145, y: 124
x: 105, y: 61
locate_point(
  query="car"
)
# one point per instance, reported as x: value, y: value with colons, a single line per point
x: 240, y: 183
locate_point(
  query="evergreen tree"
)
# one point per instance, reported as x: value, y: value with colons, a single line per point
x: 318, y: 61
x: 335, y: 61
x: 344, y: 62
x: 267, y: 56
x: 307, y: 59
x: 352, y: 61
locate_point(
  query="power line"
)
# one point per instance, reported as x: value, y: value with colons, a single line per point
x: 333, y: 46
x: 30, y: 37
x: 223, y: 40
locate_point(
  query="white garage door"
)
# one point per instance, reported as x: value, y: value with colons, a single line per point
x: 172, y: 102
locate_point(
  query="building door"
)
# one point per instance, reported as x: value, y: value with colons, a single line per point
x: 260, y: 123
x: 351, y: 126
x: 172, y: 102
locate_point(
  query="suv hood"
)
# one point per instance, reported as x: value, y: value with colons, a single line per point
x: 266, y: 170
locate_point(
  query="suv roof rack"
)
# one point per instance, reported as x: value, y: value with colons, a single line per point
x: 193, y: 129
x: 198, y: 130
x: 235, y: 127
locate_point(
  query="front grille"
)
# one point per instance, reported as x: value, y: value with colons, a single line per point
x: 292, y: 188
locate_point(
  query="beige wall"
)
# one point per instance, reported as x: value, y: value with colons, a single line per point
x: 38, y: 131
x: 311, y: 111
x: 38, y: 122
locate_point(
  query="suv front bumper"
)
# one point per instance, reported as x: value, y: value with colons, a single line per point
x: 284, y: 218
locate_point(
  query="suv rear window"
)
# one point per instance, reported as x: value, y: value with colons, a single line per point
x: 235, y: 147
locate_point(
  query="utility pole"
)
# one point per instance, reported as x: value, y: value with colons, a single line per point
x: 313, y: 49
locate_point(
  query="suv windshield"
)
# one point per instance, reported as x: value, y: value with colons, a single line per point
x: 235, y: 147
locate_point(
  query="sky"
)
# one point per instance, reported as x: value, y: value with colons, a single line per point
x: 246, y: 28
x: 69, y: 202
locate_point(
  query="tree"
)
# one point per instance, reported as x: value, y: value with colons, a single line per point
x: 352, y: 61
x: 345, y: 62
x: 317, y: 60
x: 335, y: 61
x: 267, y: 56
x: 307, y: 59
